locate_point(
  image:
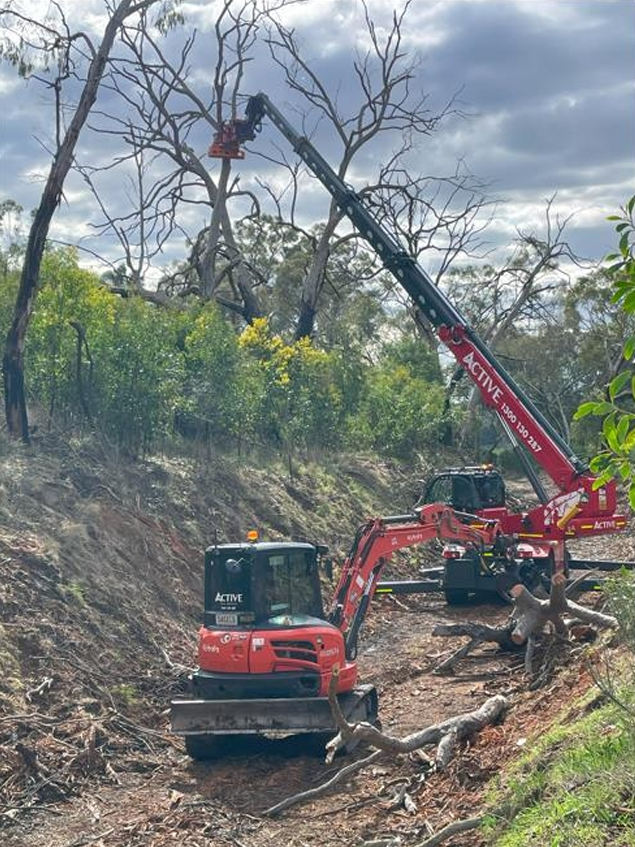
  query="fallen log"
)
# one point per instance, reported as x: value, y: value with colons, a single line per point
x: 446, y: 735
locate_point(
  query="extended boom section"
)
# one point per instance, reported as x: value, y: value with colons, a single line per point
x: 579, y: 508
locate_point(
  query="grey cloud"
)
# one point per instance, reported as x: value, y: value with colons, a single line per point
x: 505, y: 54
x: 551, y: 101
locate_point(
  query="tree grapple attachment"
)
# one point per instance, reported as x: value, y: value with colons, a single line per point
x: 227, y: 141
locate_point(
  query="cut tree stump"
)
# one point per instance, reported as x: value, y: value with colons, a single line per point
x: 530, y: 617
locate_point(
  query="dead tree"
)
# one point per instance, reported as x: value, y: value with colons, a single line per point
x: 165, y: 112
x: 61, y: 43
x: 388, y: 102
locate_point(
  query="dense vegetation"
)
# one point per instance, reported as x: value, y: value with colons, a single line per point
x: 617, y: 408
x: 143, y: 375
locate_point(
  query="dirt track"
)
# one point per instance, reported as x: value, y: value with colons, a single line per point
x: 163, y: 798
x: 100, y: 581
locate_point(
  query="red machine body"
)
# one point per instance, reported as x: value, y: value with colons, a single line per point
x: 266, y: 653
x: 316, y: 647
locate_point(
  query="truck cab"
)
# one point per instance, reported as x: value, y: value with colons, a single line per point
x: 475, y: 490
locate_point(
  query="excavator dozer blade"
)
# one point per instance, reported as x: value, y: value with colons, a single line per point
x: 271, y: 716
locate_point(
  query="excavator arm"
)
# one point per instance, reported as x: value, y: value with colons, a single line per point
x: 378, y: 539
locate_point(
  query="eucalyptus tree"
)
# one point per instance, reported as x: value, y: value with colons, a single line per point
x: 173, y: 186
x: 71, y: 57
x: 168, y: 111
x: 383, y: 100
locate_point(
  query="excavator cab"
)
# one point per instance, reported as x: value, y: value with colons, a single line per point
x: 471, y: 489
x: 264, y: 583
x: 266, y: 654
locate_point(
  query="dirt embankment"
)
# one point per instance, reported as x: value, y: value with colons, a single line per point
x: 100, y: 597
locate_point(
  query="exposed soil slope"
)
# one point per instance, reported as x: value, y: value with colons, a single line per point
x: 100, y: 596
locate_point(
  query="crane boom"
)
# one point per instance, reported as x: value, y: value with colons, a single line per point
x: 580, y: 508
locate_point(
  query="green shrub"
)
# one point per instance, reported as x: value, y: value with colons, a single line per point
x: 400, y: 414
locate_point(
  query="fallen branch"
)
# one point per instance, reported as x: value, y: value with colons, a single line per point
x: 446, y: 735
x: 312, y: 793
x: 478, y: 633
x: 450, y: 830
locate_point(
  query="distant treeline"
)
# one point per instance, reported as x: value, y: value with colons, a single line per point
x: 144, y: 375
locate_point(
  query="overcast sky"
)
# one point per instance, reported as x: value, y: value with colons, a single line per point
x: 547, y: 86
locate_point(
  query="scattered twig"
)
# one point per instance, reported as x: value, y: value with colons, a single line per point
x: 174, y: 666
x: 450, y: 830
x: 45, y: 685
x: 89, y: 839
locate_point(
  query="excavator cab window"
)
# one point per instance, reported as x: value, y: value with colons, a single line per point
x: 464, y: 497
x: 438, y: 491
x: 491, y: 490
x: 291, y: 585
x: 252, y: 583
x: 467, y: 492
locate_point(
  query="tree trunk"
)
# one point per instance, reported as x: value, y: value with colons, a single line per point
x: 314, y: 281
x: 13, y: 358
x: 531, y: 614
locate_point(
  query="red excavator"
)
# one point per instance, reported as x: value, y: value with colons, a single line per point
x: 266, y: 653
x: 266, y: 650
